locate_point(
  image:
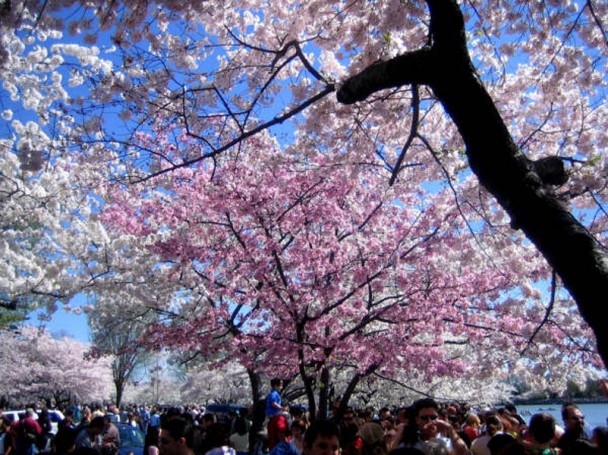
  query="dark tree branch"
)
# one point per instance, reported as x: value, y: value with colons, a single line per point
x: 411, y: 136
x: 499, y: 164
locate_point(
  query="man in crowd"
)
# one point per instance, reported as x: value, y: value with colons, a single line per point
x: 87, y: 416
x: 89, y: 436
x: 322, y: 438
x: 144, y: 417
x: 110, y: 436
x: 386, y: 418
x: 277, y: 422
x: 350, y: 441
x: 434, y: 436
x: 202, y: 440
x: 175, y: 437
x: 574, y: 425
x: 153, y: 431
x: 27, y: 432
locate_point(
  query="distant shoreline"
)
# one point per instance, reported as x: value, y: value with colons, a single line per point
x: 560, y: 402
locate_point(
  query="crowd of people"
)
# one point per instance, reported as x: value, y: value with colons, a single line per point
x: 93, y: 433
x: 426, y: 427
x: 429, y: 428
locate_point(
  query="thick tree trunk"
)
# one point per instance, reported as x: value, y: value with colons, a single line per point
x: 257, y: 418
x: 502, y: 169
x: 348, y: 392
x: 119, y: 385
x: 352, y: 386
x: 307, y: 380
x: 323, y: 412
x: 310, y: 391
x: 256, y: 385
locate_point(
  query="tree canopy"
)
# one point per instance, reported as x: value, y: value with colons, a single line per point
x: 338, y: 178
x: 40, y: 368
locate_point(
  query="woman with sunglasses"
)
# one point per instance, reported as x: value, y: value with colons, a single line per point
x: 430, y: 434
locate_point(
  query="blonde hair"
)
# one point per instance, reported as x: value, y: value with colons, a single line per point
x: 473, y: 419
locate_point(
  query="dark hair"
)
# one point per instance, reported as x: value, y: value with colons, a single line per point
x: 217, y: 436
x: 566, y: 409
x: 65, y: 439
x: 348, y: 434
x: 542, y: 427
x: 493, y: 424
x: 173, y: 412
x: 97, y: 422
x: 366, y: 413
x: 505, y: 444
x: 275, y: 382
x: 325, y: 428
x: 601, y: 434
x: 425, y: 403
x: 209, y: 417
x: 240, y: 426
x: 178, y: 427
x: 299, y: 423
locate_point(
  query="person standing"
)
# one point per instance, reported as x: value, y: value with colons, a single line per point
x: 27, y: 432
x: 322, y: 438
x: 298, y: 429
x: 350, y: 440
x: 110, y: 437
x: 153, y: 433
x: 540, y: 434
x: 175, y: 437
x: 218, y: 441
x: 493, y: 426
x: 68, y: 420
x: 432, y: 433
x: 574, y: 423
x: 7, y: 433
x: 277, y: 422
x: 84, y: 422
x: 239, y: 439
x: 44, y: 420
x: 144, y: 418
x: 471, y: 430
x: 89, y: 437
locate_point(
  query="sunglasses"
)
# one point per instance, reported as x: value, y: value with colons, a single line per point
x: 428, y: 417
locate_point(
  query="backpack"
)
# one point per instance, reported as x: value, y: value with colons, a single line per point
x: 27, y: 438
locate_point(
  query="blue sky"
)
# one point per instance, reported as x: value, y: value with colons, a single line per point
x: 63, y: 322
x: 75, y: 326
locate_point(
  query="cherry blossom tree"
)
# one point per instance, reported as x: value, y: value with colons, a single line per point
x: 116, y: 332
x: 44, y: 217
x: 161, y: 385
x: 442, y: 96
x: 378, y: 392
x: 306, y: 266
x: 203, y: 385
x: 56, y: 371
x: 522, y: 187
